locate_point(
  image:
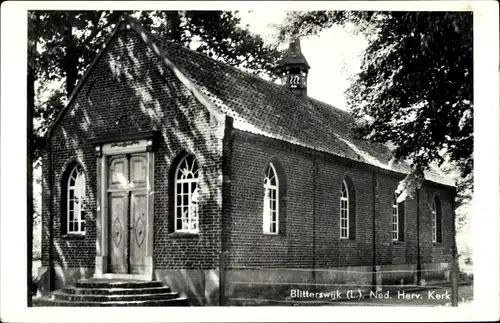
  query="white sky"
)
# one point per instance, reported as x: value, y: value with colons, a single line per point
x: 334, y: 55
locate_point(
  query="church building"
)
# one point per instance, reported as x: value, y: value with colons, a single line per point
x: 169, y: 166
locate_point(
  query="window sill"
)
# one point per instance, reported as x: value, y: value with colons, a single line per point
x: 437, y: 244
x: 398, y: 242
x: 266, y: 234
x: 73, y: 236
x: 346, y: 240
x: 175, y: 235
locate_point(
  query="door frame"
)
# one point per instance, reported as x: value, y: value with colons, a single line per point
x: 118, y: 145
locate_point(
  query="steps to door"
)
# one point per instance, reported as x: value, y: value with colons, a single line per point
x: 113, y: 292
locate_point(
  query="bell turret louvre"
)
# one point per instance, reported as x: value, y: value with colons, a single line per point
x: 294, y: 69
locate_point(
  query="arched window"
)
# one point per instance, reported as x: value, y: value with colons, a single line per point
x: 436, y: 220
x: 344, y: 211
x: 75, y: 216
x: 398, y: 220
x: 186, y: 195
x: 271, y: 201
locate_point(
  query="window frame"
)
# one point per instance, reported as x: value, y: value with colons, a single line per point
x: 437, y: 219
x: 395, y: 219
x: 79, y: 184
x: 398, y: 219
x: 344, y: 188
x: 190, y: 181
x: 268, y: 187
x: 434, y: 221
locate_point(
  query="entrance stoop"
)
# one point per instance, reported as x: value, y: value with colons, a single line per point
x: 113, y: 292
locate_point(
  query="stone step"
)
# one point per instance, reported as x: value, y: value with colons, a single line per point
x: 116, y: 283
x: 51, y: 303
x: 59, y: 295
x: 114, y: 291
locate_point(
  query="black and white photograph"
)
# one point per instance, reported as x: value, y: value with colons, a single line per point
x: 184, y: 155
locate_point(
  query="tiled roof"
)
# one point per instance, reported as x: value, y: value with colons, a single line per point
x: 263, y: 107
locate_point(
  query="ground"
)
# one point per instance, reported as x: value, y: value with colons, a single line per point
x: 427, y: 297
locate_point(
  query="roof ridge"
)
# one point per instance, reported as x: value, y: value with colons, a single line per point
x: 331, y: 106
x: 311, y: 123
x: 279, y: 87
x: 220, y: 62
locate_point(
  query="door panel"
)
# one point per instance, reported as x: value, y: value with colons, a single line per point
x: 118, y: 232
x: 138, y: 231
x: 138, y: 170
x: 118, y: 172
x: 127, y: 180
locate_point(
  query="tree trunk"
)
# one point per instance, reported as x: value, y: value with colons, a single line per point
x: 174, y: 25
x: 70, y: 60
x: 31, y: 77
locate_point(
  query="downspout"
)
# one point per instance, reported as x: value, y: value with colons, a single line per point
x: 315, y: 173
x: 454, y: 259
x: 419, y: 266
x: 51, y: 211
x: 227, y: 146
x: 374, y: 240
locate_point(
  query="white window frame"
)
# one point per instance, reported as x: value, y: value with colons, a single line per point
x: 193, y: 205
x: 434, y: 221
x: 76, y: 205
x: 395, y: 220
x: 344, y: 212
x: 268, y: 211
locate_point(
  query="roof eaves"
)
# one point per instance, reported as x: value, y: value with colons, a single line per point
x: 78, y: 86
x: 247, y: 127
x: 148, y: 39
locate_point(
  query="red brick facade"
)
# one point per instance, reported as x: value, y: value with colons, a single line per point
x: 313, y: 182
x: 128, y: 103
x: 129, y: 90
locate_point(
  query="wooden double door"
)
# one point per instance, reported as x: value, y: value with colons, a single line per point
x: 127, y: 204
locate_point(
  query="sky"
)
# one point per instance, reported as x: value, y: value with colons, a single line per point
x: 334, y: 55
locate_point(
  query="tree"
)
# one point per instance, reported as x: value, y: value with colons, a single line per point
x: 414, y: 90
x: 69, y: 40
x: 62, y: 44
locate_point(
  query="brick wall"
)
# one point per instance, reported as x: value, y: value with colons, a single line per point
x: 295, y: 247
x: 129, y: 90
x: 435, y: 252
x: 246, y: 243
x: 332, y: 251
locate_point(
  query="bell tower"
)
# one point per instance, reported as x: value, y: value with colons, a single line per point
x: 294, y: 68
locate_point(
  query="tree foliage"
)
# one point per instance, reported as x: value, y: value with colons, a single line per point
x: 66, y: 42
x: 415, y: 86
